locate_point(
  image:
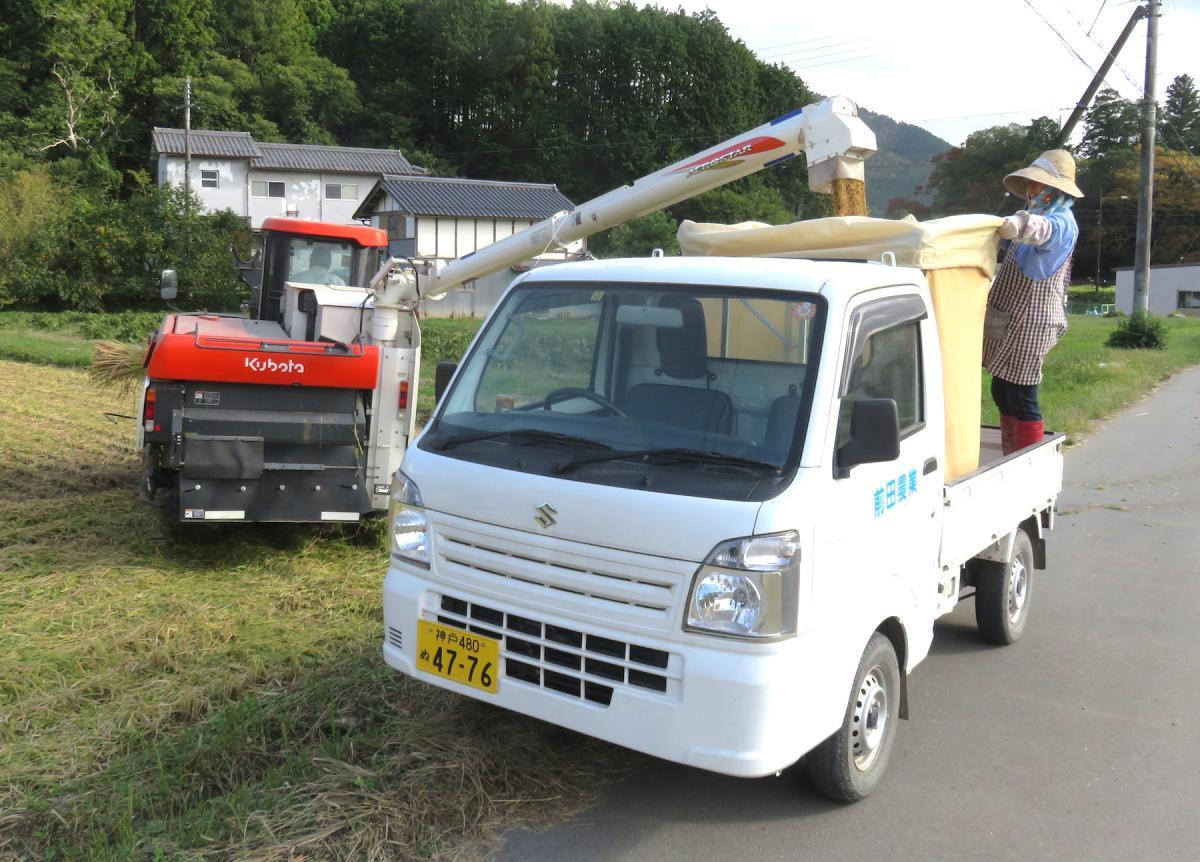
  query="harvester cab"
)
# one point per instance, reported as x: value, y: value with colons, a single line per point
x: 309, y: 252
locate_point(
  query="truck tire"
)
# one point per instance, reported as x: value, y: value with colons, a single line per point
x: 1003, y: 591
x: 848, y: 765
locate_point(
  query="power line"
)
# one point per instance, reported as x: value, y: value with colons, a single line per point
x: 806, y: 41
x: 817, y: 48
x: 866, y: 46
x: 1097, y: 18
x: 848, y: 59
x: 1061, y: 37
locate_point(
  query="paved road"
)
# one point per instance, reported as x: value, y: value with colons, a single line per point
x: 1082, y: 741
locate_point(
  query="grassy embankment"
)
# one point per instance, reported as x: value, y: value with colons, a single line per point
x: 223, y: 696
x: 1085, y: 381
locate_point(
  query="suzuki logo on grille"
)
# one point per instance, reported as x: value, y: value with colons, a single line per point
x: 545, y: 515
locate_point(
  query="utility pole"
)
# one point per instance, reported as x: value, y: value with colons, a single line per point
x: 187, y: 134
x: 1141, y: 259
x: 187, y: 166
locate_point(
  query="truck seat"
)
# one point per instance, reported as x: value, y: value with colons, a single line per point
x: 781, y: 425
x: 685, y: 406
x: 683, y: 355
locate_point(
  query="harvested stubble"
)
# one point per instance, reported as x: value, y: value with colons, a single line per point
x: 117, y: 365
x: 221, y: 694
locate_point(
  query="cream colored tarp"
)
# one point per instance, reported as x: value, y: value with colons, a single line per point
x: 958, y: 255
x: 945, y: 243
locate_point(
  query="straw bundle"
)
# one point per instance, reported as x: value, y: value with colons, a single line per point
x: 117, y: 365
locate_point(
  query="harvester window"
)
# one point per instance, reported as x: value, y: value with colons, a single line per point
x: 319, y: 262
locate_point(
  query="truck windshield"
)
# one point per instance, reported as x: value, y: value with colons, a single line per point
x: 692, y: 390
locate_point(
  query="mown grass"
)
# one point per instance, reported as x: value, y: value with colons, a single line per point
x: 220, y: 694
x: 1085, y: 381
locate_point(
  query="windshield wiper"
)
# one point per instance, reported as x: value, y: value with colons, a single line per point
x: 533, y: 435
x: 673, y: 453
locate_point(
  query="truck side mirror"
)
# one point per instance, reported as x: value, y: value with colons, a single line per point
x: 874, y: 435
x: 168, y: 285
x: 441, y: 379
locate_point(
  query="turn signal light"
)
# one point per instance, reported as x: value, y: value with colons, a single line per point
x: 148, y: 410
x: 403, y: 394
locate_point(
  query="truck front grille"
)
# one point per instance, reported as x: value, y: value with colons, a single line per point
x: 565, y: 660
x: 607, y: 585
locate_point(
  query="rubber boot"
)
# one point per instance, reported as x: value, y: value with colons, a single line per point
x: 1008, y: 432
x: 1027, y: 433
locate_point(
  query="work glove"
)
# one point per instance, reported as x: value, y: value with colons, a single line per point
x: 1027, y: 227
x: 1012, y: 225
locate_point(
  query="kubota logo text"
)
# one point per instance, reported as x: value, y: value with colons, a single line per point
x: 266, y: 366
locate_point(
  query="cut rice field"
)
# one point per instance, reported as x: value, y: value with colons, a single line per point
x: 170, y: 694
x: 220, y: 694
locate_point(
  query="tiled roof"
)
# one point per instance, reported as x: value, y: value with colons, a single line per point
x: 285, y: 157
x: 237, y: 145
x: 346, y: 160
x: 438, y: 196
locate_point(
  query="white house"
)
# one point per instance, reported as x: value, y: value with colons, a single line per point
x: 258, y: 180
x: 437, y: 217
x: 1173, y: 287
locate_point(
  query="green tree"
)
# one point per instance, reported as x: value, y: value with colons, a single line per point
x: 968, y: 179
x: 1179, y: 122
x: 1110, y: 124
x: 638, y: 237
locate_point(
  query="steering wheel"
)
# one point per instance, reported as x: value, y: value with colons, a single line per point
x: 574, y: 392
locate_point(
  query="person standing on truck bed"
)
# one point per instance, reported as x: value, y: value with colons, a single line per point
x: 1026, y: 314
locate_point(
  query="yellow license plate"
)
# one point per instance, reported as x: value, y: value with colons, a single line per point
x: 462, y: 656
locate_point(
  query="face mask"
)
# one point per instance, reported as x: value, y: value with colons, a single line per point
x: 1048, y: 202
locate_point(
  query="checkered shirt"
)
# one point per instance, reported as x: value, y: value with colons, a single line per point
x: 1038, y: 321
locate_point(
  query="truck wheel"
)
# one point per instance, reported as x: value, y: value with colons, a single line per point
x: 1003, y: 591
x: 849, y: 764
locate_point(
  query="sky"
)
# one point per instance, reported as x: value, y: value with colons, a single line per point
x: 956, y: 66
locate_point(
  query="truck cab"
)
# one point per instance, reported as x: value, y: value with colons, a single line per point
x: 696, y: 507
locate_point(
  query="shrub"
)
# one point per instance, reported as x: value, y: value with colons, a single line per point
x: 91, y: 249
x: 1139, y: 330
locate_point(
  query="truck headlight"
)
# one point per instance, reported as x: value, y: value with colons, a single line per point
x: 406, y: 519
x: 748, y: 588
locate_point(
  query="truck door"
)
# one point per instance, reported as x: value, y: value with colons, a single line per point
x: 882, y: 530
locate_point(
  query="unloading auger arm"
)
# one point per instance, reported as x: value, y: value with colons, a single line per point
x: 830, y: 134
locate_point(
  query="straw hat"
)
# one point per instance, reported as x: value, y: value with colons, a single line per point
x: 1055, y: 168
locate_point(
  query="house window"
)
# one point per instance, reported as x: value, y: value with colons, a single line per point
x: 1188, y: 299
x: 397, y: 227
x: 209, y: 179
x: 341, y: 191
x: 265, y: 189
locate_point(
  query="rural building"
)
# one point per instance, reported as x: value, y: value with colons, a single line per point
x: 437, y: 217
x: 1173, y: 287
x: 257, y: 180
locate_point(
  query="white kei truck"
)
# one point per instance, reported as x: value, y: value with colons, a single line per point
x: 696, y: 507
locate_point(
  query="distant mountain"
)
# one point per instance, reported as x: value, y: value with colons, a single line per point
x: 902, y: 162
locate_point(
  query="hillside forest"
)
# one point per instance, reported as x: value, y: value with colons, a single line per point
x: 588, y: 96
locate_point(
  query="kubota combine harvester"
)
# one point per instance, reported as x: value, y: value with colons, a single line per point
x: 302, y: 411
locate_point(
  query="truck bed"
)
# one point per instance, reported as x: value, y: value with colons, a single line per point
x: 983, y: 506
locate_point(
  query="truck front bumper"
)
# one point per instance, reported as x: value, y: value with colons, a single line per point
x: 722, y: 705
